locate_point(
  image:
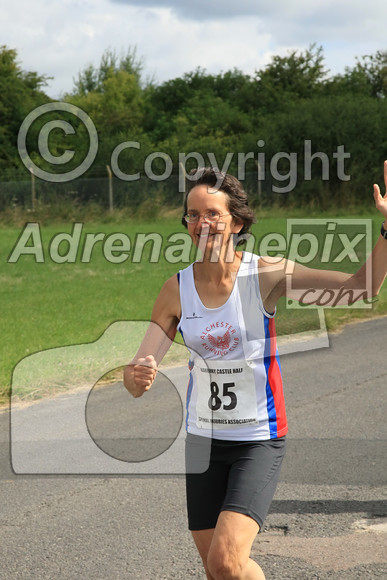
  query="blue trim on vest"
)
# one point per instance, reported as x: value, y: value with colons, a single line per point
x: 188, y: 398
x: 269, y: 395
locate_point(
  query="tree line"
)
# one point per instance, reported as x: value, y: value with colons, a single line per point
x: 295, y: 131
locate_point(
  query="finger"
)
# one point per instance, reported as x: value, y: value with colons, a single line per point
x: 144, y: 373
x: 145, y: 367
x: 143, y: 364
x: 150, y: 359
x: 144, y: 379
x: 377, y: 194
x: 385, y: 174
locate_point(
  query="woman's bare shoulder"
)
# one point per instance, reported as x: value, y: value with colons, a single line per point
x: 168, y: 300
x: 171, y: 285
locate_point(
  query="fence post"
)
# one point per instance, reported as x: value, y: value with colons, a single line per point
x: 259, y: 169
x: 110, y: 187
x: 33, y: 190
x: 183, y: 172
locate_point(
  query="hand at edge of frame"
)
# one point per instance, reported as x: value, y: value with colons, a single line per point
x: 380, y: 200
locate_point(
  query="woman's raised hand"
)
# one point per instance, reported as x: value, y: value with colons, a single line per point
x: 380, y: 200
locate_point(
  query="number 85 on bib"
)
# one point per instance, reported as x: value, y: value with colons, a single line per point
x: 226, y: 394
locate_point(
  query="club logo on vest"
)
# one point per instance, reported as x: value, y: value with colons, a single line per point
x: 219, y: 338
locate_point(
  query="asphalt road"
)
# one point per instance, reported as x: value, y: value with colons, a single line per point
x: 83, y: 504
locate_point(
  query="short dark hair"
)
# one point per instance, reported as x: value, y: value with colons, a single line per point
x: 237, y: 201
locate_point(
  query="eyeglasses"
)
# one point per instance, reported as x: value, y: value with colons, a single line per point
x: 210, y: 216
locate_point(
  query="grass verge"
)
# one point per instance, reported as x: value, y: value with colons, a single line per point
x: 50, y: 304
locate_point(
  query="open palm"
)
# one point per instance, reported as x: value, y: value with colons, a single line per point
x: 380, y: 200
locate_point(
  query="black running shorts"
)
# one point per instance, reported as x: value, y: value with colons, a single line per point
x: 241, y: 477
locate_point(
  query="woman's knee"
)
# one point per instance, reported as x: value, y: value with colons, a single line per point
x: 224, y: 565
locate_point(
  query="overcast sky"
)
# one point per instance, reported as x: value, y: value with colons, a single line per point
x: 60, y: 38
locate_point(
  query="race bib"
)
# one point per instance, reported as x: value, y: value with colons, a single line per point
x: 226, y: 394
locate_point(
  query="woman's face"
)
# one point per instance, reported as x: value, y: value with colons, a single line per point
x: 210, y: 236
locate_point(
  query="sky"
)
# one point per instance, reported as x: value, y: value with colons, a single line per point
x: 172, y: 37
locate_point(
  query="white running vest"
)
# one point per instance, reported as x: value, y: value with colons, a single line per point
x: 235, y: 386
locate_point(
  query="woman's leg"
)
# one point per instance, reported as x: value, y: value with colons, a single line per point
x: 203, y: 539
x: 225, y: 550
x: 228, y: 503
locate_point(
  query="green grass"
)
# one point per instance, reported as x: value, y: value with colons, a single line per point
x: 52, y: 305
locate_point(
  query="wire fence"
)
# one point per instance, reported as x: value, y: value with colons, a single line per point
x: 112, y: 193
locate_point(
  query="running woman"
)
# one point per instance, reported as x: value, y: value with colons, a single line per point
x: 224, y: 306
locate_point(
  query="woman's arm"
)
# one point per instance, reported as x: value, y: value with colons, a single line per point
x: 379, y: 255
x: 298, y: 282
x: 140, y: 373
